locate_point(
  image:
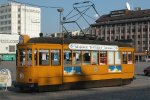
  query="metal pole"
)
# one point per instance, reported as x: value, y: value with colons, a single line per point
x: 60, y: 10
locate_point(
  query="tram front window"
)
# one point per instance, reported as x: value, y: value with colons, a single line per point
x: 22, y: 57
x: 29, y: 57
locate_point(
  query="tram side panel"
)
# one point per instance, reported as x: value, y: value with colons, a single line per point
x: 100, y: 72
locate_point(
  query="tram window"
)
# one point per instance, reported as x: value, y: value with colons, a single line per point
x: 130, y: 58
x: 94, y: 58
x: 22, y: 57
x: 103, y: 57
x: 43, y: 57
x: 124, y: 57
x: 76, y: 57
x: 67, y: 57
x: 35, y: 57
x: 29, y: 57
x: 110, y: 56
x: 86, y: 57
x: 55, y: 57
x: 117, y: 58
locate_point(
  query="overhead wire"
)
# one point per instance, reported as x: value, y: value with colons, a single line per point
x: 34, y: 5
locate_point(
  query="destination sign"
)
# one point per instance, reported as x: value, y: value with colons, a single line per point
x: 75, y: 46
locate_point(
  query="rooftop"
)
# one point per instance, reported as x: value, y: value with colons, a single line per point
x: 124, y: 14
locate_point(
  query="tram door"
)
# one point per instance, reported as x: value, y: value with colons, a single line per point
x: 50, y: 69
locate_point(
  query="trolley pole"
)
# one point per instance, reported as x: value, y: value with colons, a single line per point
x: 60, y: 10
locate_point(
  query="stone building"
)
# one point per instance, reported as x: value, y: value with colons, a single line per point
x: 126, y: 24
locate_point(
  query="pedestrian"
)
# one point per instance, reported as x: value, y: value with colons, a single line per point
x: 12, y: 58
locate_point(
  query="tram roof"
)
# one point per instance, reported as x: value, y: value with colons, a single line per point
x: 52, y: 40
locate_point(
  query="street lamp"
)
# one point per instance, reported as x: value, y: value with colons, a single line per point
x: 60, y: 10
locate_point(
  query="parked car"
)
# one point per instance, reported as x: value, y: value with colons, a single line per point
x: 147, y: 71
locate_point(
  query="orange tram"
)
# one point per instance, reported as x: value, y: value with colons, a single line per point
x: 55, y: 63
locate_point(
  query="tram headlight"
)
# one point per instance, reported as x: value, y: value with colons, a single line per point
x: 21, y: 75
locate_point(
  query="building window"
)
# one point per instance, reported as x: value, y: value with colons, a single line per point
x: 144, y: 42
x: 133, y: 30
x: 9, y: 10
x: 112, y: 38
x: 2, y: 23
x: 19, y: 9
x: 144, y: 48
x: 18, y: 15
x: 139, y: 29
x: 9, y: 16
x: 122, y: 30
x: 128, y: 30
x: 2, y: 17
x: 5, y: 10
x: 12, y: 48
x: 18, y: 21
x: 18, y: 27
x: 133, y: 36
x: 145, y: 29
x: 139, y: 36
x: 9, y: 28
x: 9, y: 22
x: 6, y: 48
x: 144, y: 36
x: 2, y: 11
x: 122, y: 37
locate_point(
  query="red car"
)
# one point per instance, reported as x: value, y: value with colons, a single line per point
x: 147, y: 71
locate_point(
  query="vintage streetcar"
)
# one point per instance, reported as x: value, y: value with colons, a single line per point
x: 61, y: 63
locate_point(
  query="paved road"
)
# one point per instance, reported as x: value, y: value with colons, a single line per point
x: 139, y: 89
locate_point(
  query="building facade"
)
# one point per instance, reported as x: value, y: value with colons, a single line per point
x: 8, y: 46
x: 126, y: 24
x: 18, y: 18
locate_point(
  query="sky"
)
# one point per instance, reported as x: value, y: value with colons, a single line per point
x: 50, y: 17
